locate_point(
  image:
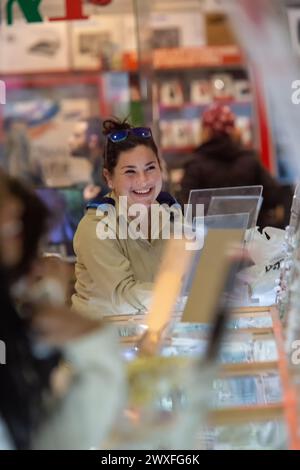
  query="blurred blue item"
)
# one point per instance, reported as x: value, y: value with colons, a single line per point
x: 67, y: 208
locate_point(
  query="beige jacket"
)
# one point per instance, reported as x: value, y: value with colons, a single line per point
x: 114, y: 276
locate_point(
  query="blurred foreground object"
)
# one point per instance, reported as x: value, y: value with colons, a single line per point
x: 168, y: 397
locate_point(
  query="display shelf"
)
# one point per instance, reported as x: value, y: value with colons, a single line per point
x: 163, y: 107
x: 246, y: 369
x: 288, y: 387
x: 246, y: 414
x: 181, y: 95
x: 285, y: 409
x: 50, y: 80
x: 288, y: 408
x: 57, y: 86
x: 249, y: 311
x: 59, y: 78
x: 196, y: 57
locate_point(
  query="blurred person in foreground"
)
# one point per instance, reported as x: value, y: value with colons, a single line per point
x: 16, y: 152
x: 61, y: 381
x: 221, y: 162
x: 87, y: 142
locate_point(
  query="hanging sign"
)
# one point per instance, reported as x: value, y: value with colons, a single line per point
x: 32, y: 14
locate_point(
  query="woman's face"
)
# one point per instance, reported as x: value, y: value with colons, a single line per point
x: 137, y: 175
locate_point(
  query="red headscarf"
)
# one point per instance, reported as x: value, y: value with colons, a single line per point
x: 219, y: 119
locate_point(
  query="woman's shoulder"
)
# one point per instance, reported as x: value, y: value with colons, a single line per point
x: 97, y: 210
x: 102, y: 201
x: 166, y: 198
x: 99, y: 207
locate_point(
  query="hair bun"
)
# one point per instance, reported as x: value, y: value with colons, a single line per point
x: 111, y: 125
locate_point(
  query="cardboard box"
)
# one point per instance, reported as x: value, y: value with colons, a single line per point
x: 219, y: 31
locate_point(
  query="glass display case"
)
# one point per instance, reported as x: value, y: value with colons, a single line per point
x: 243, y: 402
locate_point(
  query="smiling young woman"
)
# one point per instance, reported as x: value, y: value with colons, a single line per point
x: 115, y: 275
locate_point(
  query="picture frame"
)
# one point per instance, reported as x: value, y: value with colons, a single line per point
x: 33, y: 48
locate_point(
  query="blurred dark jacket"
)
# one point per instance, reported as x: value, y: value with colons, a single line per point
x: 221, y: 163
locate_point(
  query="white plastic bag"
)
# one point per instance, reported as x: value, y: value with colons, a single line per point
x: 267, y: 251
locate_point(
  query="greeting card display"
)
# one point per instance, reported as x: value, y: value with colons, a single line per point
x: 171, y: 93
x: 242, y: 90
x: 201, y: 91
x: 222, y: 86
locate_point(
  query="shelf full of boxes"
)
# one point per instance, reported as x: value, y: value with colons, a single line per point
x: 196, y: 61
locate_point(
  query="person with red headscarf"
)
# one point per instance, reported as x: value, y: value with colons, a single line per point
x: 221, y: 161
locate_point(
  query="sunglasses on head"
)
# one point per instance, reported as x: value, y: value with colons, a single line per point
x: 122, y: 134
